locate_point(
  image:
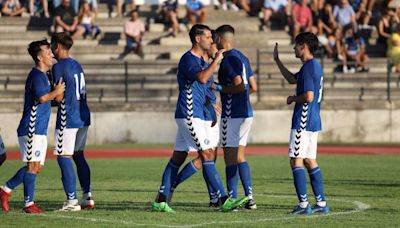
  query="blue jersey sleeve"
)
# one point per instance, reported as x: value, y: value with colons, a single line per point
x: 233, y: 67
x: 190, y: 68
x: 40, y: 87
x: 308, y: 82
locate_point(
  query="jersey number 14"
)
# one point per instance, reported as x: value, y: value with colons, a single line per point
x: 80, y: 86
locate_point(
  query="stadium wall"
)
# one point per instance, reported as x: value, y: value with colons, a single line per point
x: 269, y: 126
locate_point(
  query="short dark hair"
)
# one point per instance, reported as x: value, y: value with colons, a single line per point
x: 196, y: 30
x: 214, y: 36
x: 221, y: 30
x: 34, y: 48
x: 308, y: 38
x: 62, y: 38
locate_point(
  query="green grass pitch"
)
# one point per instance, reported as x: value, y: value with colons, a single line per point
x: 362, y: 191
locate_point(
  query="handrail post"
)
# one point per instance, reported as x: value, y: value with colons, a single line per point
x: 388, y: 78
x: 258, y: 76
x: 126, y: 81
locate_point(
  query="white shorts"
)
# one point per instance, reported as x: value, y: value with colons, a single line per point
x: 191, y: 135
x: 70, y: 140
x: 303, y: 144
x: 33, y: 149
x: 235, y: 131
x: 2, y: 146
x: 213, y: 134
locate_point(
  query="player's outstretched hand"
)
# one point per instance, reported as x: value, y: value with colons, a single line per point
x: 276, y: 52
x: 219, y: 55
x: 60, y: 87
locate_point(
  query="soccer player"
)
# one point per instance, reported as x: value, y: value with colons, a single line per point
x: 32, y: 129
x: 210, y: 116
x: 306, y: 122
x: 236, y: 83
x: 193, y: 74
x: 73, y: 120
x: 3, y: 155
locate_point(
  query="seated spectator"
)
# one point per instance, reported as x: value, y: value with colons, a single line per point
x: 170, y: 10
x: 93, y: 5
x: 74, y: 4
x: 326, y: 21
x: 86, y: 25
x: 333, y: 45
x: 344, y: 14
x: 195, y: 12
x: 394, y: 48
x: 37, y: 6
x: 354, y: 50
x: 134, y: 30
x: 249, y: 6
x: 302, y: 18
x: 385, y: 24
x: 12, y: 8
x: 278, y: 9
x: 65, y: 18
x: 122, y: 3
x: 363, y: 11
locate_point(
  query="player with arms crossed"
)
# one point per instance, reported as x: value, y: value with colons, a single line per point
x: 73, y: 120
x: 193, y: 74
x: 32, y: 129
x: 306, y: 122
x: 236, y: 83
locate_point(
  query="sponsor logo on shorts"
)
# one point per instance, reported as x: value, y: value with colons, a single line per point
x: 37, y: 153
x: 206, y: 141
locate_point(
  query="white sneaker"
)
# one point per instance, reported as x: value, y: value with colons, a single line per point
x: 234, y: 7
x: 224, y: 7
x: 70, y: 207
x: 87, y: 203
x: 352, y: 70
x: 345, y: 69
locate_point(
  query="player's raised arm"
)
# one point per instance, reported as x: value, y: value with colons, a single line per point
x: 204, y: 75
x: 58, y: 90
x: 289, y: 76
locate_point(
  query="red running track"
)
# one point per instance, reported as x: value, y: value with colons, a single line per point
x: 251, y: 151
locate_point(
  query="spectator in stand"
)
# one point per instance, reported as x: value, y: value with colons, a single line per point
x: 394, y: 48
x: 354, y: 50
x: 12, y: 8
x: 385, y: 24
x: 120, y: 6
x: 302, y: 18
x: 333, y: 46
x: 65, y: 18
x: 86, y: 25
x: 74, y: 4
x: 196, y: 12
x: 134, y: 30
x: 344, y: 14
x: 170, y: 10
x: 276, y: 8
x: 249, y: 6
x: 326, y: 21
x: 37, y: 6
x: 93, y: 5
x: 363, y: 11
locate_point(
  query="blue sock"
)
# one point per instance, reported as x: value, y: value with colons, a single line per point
x: 83, y: 170
x: 68, y: 177
x: 300, y: 182
x: 17, y: 179
x: 185, y: 173
x: 169, y: 175
x: 212, y: 177
x: 211, y: 191
x: 245, y: 177
x: 317, y: 184
x: 232, y: 179
x: 29, y: 187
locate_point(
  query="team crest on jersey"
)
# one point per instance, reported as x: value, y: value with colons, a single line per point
x: 206, y: 141
x: 37, y: 153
